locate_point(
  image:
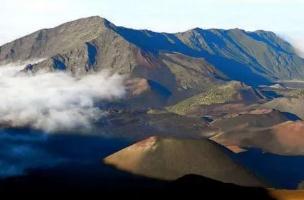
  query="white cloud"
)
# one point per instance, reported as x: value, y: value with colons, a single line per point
x: 296, y: 40
x: 298, y: 43
x: 55, y: 101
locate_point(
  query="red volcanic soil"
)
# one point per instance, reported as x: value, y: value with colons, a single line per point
x: 171, y: 158
x: 290, y: 134
x: 286, y: 138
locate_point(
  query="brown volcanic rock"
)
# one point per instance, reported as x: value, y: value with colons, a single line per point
x: 140, y: 125
x: 293, y: 105
x: 217, y: 111
x: 256, y: 118
x: 285, y: 138
x: 290, y: 135
x: 169, y: 159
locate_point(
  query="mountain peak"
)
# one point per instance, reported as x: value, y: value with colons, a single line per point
x: 49, y: 42
x: 90, y: 20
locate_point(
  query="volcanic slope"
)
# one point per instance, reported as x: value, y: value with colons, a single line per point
x: 169, y: 159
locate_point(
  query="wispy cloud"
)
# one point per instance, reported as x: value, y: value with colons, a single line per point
x: 297, y: 41
x: 54, y: 101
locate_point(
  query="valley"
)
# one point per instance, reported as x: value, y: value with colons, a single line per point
x: 105, y: 105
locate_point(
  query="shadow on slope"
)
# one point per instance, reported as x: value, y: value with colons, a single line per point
x: 155, y: 42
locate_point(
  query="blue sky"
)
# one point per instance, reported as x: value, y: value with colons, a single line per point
x: 285, y: 17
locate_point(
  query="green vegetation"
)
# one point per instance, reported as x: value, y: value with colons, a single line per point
x: 214, y: 95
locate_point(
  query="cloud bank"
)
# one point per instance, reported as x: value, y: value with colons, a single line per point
x: 297, y: 41
x: 54, y: 101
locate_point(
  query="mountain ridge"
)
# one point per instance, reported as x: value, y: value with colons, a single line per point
x: 255, y: 58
